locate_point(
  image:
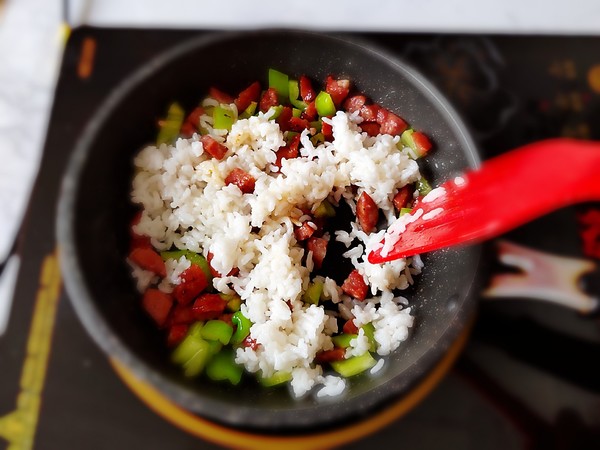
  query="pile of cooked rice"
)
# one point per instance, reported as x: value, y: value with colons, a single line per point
x: 187, y: 204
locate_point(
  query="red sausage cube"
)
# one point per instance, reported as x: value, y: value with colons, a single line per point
x: 241, y: 179
x: 208, y: 306
x: 148, y: 259
x: 193, y: 282
x: 355, y: 285
x: 318, y: 247
x: 247, y: 96
x: 158, y: 305
x: 212, y: 147
x: 367, y: 212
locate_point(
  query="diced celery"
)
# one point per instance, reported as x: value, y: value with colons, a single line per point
x: 222, y: 367
x: 353, y: 366
x: 324, y: 104
x: 343, y: 340
x: 294, y: 90
x: 275, y: 379
x: 423, y: 186
x: 249, y: 111
x: 217, y: 330
x: 313, y: 293
x: 325, y: 209
x: 280, y: 82
x: 223, y: 118
x: 369, y: 330
x: 242, y: 329
x: 172, y: 125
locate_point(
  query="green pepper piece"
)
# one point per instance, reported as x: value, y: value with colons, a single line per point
x: 324, y: 104
x: 423, y: 186
x: 242, y: 330
x: 222, y: 367
x: 277, y: 378
x: 277, y: 112
x: 325, y: 209
x: 294, y: 90
x: 343, y: 340
x: 233, y: 302
x: 214, y: 347
x: 280, y: 82
x: 406, y: 138
x: 405, y: 211
x: 192, y: 354
x: 196, y: 364
x: 313, y: 293
x: 369, y: 330
x: 217, y: 330
x: 296, y: 112
x: 317, y: 125
x: 195, y: 329
x: 223, y: 118
x: 317, y: 138
x: 353, y: 366
x: 172, y: 125
x: 249, y: 111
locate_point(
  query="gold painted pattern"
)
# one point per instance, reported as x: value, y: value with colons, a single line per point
x: 18, y: 427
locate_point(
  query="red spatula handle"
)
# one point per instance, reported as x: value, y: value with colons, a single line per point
x: 506, y: 192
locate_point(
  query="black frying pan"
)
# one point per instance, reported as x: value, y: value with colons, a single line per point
x: 94, y: 213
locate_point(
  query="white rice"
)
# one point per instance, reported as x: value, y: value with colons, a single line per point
x: 187, y: 204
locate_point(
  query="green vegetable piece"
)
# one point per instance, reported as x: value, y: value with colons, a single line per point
x: 325, y: 209
x: 289, y: 135
x: 405, y: 211
x: 317, y: 125
x: 196, y: 329
x: 324, y: 104
x: 275, y: 379
x: 242, y: 330
x: 194, y: 258
x: 423, y: 186
x: 280, y: 82
x: 343, y: 340
x: 277, y: 112
x: 294, y: 90
x: 407, y: 140
x: 313, y: 293
x: 317, y: 139
x: 249, y: 111
x: 172, y: 125
x: 353, y: 366
x: 233, y: 301
x: 192, y: 354
x: 296, y: 112
x: 222, y: 367
x: 217, y: 330
x: 223, y: 118
x: 214, y: 347
x: 369, y: 330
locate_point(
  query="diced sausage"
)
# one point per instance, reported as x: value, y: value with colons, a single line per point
x: 367, y: 212
x: 247, y: 96
x: 148, y: 259
x: 298, y: 124
x: 193, y: 282
x: 310, y: 113
x: 289, y: 151
x: 422, y: 143
x: 241, y: 179
x: 208, y: 306
x: 284, y: 118
x: 350, y: 327
x: 212, y: 147
x: 402, y: 197
x: 307, y: 92
x: 303, y: 232
x: 318, y: 247
x: 176, y: 334
x: 371, y: 128
x: 187, y: 130
x: 338, y: 89
x: 369, y: 112
x: 250, y: 342
x: 327, y: 131
x: 220, y: 96
x: 268, y: 99
x: 390, y: 122
x: 335, y: 354
x: 158, y: 305
x: 181, y: 315
x: 355, y: 103
x: 355, y: 285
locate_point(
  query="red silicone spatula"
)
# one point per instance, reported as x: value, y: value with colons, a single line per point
x: 506, y: 192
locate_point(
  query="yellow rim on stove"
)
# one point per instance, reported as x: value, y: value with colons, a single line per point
x: 230, y: 437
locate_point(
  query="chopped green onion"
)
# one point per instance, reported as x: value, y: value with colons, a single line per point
x: 280, y: 82
x: 423, y: 186
x: 294, y: 90
x: 325, y: 209
x: 172, y: 125
x: 369, y: 330
x: 223, y: 118
x: 324, y: 104
x: 217, y: 330
x: 279, y: 377
x: 353, y: 366
x: 242, y: 330
x: 313, y: 293
x: 343, y: 340
x: 249, y: 111
x: 222, y: 367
